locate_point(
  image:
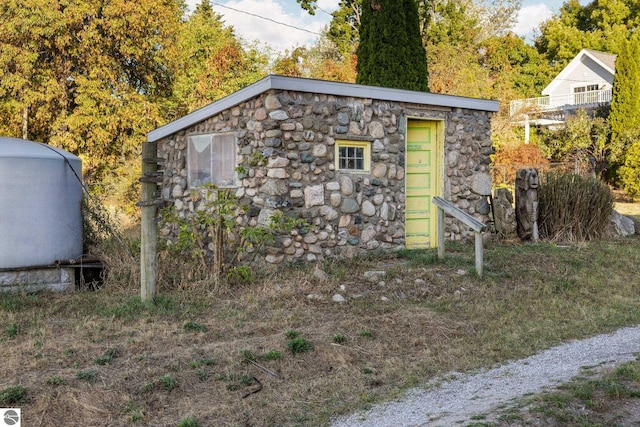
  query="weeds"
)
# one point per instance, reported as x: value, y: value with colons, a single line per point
x: 339, y: 339
x: 364, y: 333
x: 272, y: 355
x: 189, y: 422
x: 248, y: 355
x: 88, y: 376
x: 11, y: 330
x: 214, y: 243
x: 299, y: 345
x: 14, y: 395
x: 292, y: 334
x: 236, y: 381
x: 56, y: 381
x: 194, y: 327
x: 133, y: 411
x: 168, y: 383
x: 107, y: 357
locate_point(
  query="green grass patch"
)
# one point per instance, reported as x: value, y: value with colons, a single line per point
x: 192, y: 326
x: 299, y: 345
x: 88, y: 375
x: 14, y: 395
x: 168, y: 382
x: 107, y: 357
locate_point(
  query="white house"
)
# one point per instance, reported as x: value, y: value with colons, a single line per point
x: 585, y: 83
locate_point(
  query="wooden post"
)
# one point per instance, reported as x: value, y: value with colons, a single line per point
x: 148, y: 237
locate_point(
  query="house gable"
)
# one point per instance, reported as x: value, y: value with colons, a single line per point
x: 587, y: 68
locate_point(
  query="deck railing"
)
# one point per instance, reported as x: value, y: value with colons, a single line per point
x: 558, y: 102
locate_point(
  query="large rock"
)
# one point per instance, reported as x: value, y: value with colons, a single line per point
x: 481, y: 184
x: 620, y: 225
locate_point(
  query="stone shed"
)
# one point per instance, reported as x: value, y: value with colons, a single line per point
x: 359, y: 163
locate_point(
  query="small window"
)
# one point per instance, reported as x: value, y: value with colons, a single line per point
x: 353, y: 156
x: 211, y: 159
x: 587, y: 88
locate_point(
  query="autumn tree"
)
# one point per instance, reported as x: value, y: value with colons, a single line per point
x: 390, y: 52
x: 292, y: 63
x: 87, y: 76
x: 213, y: 61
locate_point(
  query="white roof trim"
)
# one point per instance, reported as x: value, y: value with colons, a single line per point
x: 569, y: 68
x: 321, y: 87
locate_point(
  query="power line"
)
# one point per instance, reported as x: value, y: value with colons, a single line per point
x: 322, y: 10
x: 267, y: 19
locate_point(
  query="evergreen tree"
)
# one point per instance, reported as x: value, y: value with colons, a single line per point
x: 625, y: 104
x: 390, y: 53
x: 625, y: 114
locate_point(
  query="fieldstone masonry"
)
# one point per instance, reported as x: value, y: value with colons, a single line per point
x: 37, y: 279
x: 350, y: 212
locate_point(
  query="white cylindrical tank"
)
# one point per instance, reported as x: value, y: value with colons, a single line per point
x: 40, y: 204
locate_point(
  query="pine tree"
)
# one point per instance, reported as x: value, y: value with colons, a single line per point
x: 391, y: 53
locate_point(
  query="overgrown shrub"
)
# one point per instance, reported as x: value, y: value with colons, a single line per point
x: 213, y: 243
x: 106, y: 239
x: 573, y: 208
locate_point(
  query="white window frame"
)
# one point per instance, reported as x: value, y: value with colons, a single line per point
x: 211, y: 159
x: 366, y: 155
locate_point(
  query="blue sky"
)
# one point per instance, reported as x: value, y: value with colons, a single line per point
x: 282, y: 37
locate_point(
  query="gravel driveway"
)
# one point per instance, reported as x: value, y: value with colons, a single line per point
x: 456, y: 400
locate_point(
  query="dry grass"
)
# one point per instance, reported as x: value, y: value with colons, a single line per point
x: 426, y: 318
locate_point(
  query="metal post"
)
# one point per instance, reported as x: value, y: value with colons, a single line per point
x: 479, y: 254
x: 440, y: 233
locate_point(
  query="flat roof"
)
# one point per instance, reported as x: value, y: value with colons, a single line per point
x: 320, y: 87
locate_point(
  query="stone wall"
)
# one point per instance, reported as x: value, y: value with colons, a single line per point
x: 37, y: 279
x: 350, y: 212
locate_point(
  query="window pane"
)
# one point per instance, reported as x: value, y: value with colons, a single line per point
x: 351, y: 157
x: 226, y: 158
x: 211, y: 159
x: 199, y: 159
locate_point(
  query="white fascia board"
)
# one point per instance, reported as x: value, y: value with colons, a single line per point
x: 599, y: 62
x: 321, y: 87
x: 208, y: 110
